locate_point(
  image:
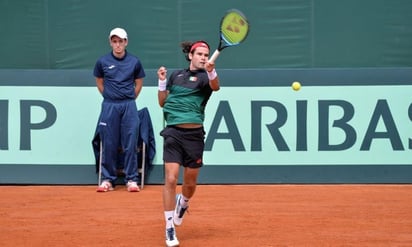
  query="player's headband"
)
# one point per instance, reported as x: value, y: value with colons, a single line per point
x: 198, y: 44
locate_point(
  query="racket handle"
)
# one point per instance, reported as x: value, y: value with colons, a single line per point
x: 214, y: 56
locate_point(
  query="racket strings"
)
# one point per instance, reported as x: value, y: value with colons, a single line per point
x: 234, y: 28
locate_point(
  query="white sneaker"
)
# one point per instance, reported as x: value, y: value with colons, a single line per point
x: 179, y: 211
x: 171, y: 239
x: 105, y: 186
x: 132, y: 186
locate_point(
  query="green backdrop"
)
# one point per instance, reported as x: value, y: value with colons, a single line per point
x: 71, y: 34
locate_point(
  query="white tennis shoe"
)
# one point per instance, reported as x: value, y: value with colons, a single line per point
x: 179, y: 211
x: 171, y: 239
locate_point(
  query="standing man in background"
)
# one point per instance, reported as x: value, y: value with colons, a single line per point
x: 119, y: 78
x: 183, y: 98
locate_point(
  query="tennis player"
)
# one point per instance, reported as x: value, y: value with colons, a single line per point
x: 119, y: 78
x: 184, y: 97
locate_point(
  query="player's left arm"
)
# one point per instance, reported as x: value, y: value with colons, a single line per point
x: 213, y: 77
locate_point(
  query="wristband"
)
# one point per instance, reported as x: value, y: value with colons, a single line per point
x: 162, y: 85
x: 212, y: 74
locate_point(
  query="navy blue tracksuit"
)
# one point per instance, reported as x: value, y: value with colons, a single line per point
x: 119, y: 120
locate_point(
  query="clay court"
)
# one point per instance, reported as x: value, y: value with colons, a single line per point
x: 220, y: 215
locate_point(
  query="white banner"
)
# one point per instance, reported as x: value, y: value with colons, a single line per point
x: 245, y: 125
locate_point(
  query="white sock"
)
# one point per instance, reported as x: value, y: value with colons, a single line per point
x: 169, y: 219
x: 184, y: 201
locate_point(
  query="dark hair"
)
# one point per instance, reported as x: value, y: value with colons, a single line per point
x: 187, y: 46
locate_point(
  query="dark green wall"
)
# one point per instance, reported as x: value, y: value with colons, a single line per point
x: 71, y: 34
x: 68, y: 36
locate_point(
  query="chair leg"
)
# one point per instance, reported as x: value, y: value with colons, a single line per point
x: 100, y: 164
x: 143, y: 165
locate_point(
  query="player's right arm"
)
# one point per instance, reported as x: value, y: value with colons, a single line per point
x: 162, y: 82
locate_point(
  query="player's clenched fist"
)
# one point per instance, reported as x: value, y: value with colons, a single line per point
x: 162, y: 76
x: 162, y: 73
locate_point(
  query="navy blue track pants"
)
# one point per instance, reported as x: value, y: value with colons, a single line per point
x: 118, y: 129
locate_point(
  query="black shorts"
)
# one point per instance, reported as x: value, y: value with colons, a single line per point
x: 183, y: 146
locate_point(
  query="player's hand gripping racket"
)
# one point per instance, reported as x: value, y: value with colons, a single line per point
x: 234, y: 28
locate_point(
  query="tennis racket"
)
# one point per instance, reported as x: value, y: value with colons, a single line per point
x: 234, y: 28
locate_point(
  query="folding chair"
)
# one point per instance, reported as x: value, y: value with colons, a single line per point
x: 146, y: 147
x: 142, y: 170
x: 146, y: 144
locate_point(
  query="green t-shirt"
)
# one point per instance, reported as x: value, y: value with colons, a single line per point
x: 189, y: 92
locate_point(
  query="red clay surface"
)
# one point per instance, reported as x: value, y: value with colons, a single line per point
x: 220, y: 215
